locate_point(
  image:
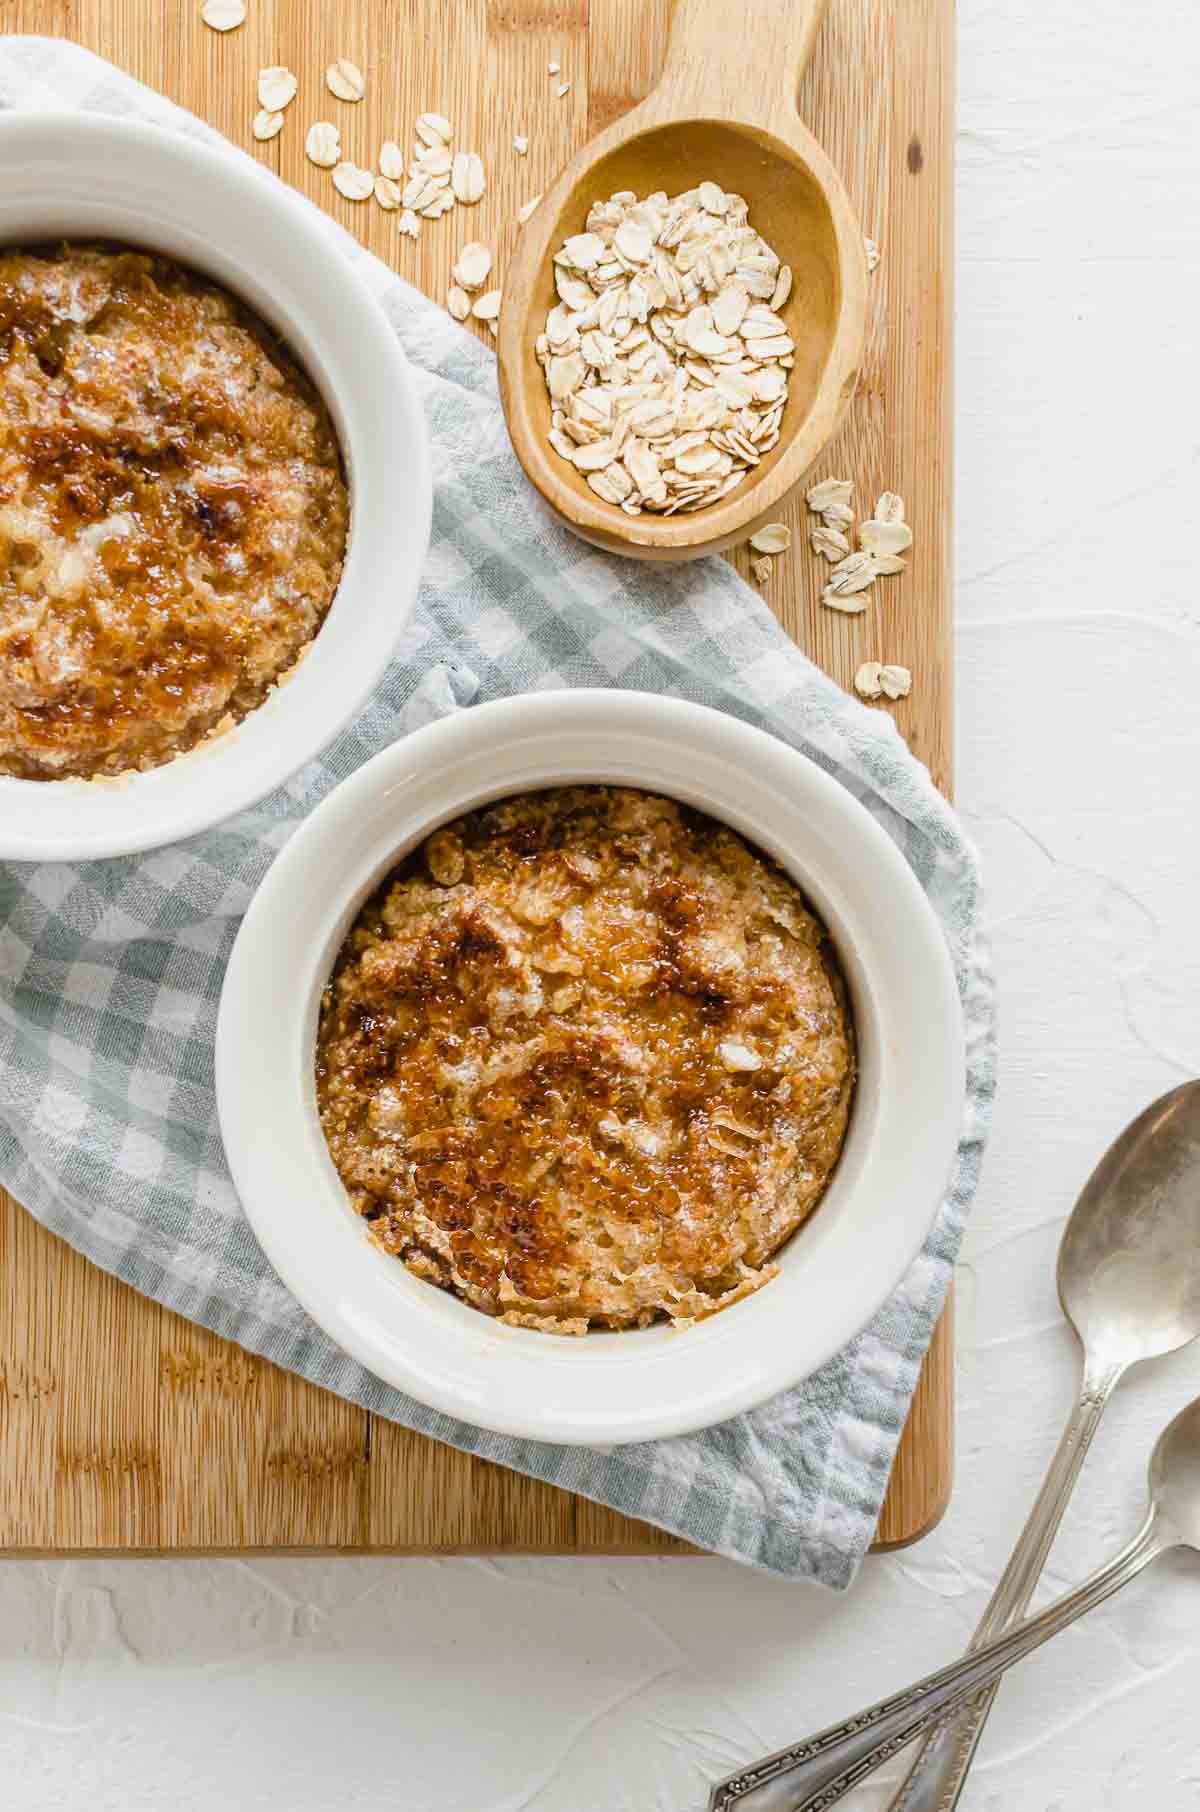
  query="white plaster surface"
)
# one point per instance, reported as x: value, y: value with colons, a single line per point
x: 559, y: 1686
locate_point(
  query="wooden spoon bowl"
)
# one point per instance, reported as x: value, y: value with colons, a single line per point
x: 724, y: 111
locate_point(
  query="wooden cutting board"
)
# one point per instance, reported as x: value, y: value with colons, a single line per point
x: 123, y: 1427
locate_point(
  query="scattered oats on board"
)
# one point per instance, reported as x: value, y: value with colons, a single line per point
x: 867, y: 681
x: 387, y: 194
x: 527, y: 208
x: 265, y: 125
x: 771, y: 538
x: 466, y: 177
x: 663, y: 354
x: 345, y: 80
x: 408, y: 225
x: 882, y: 540
x: 553, y: 68
x: 276, y: 88
x: 472, y: 266
x: 352, y: 182
x: 323, y: 144
x: 762, y: 569
x: 487, y: 306
x: 223, y: 15
x: 458, y: 302
x: 872, y: 251
x: 391, y: 160
x: 520, y: 144
x: 564, y: 88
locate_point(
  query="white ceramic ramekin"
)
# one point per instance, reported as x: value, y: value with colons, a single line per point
x: 85, y: 176
x: 838, y: 1268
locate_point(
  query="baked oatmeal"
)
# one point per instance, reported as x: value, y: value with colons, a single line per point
x: 173, y: 512
x: 586, y: 1061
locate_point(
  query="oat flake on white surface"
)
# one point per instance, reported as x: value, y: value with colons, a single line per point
x: 323, y: 144
x: 345, y: 80
x: 276, y: 88
x: 223, y: 15
x: 265, y: 125
x: 353, y: 182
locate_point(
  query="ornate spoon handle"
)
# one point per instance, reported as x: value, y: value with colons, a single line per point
x: 813, y: 1774
x: 935, y: 1780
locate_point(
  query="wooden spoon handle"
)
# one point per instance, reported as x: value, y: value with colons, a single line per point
x: 739, y: 62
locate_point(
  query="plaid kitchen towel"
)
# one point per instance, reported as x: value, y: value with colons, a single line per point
x: 110, y: 971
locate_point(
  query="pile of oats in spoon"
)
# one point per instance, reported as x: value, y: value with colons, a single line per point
x: 666, y: 356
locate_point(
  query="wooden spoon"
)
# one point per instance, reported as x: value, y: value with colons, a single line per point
x: 724, y: 111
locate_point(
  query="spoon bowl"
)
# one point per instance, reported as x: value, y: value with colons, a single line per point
x: 724, y: 111
x: 1175, y: 1479
x: 1129, y: 1261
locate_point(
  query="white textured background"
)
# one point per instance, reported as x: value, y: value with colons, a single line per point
x: 560, y: 1686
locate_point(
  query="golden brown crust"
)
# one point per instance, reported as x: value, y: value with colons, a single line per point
x: 586, y: 1061
x: 173, y: 513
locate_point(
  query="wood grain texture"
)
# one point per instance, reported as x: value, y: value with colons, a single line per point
x: 123, y: 1427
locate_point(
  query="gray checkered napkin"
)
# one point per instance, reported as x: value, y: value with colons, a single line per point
x: 110, y: 971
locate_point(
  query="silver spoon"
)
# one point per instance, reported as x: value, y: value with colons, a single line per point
x: 814, y: 1774
x: 1129, y: 1283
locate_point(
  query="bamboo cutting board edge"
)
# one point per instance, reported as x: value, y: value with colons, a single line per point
x: 126, y: 1429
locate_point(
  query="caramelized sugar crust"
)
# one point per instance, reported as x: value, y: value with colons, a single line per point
x: 173, y: 512
x: 586, y: 1061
